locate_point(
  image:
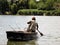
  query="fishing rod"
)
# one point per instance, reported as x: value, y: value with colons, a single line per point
x: 11, y: 27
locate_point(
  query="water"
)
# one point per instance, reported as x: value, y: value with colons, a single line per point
x: 48, y: 25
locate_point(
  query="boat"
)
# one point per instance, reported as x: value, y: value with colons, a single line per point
x: 21, y: 35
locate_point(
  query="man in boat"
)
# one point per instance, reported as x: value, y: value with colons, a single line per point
x: 33, y: 25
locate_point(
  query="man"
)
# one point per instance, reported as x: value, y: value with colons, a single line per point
x: 33, y: 26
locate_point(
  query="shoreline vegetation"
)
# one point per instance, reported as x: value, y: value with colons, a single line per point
x: 30, y: 7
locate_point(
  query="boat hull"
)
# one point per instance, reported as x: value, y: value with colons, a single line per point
x: 21, y: 35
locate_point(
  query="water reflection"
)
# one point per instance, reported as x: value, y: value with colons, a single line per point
x: 32, y: 42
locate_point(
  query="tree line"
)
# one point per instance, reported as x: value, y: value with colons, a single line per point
x: 13, y: 7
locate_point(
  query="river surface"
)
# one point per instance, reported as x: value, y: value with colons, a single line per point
x: 48, y: 25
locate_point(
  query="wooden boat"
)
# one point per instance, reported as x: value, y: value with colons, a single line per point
x: 21, y: 35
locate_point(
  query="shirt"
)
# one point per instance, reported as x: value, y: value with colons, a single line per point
x: 32, y: 26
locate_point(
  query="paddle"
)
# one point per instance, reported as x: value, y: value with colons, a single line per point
x: 40, y: 33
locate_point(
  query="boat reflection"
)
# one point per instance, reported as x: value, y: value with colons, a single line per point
x: 32, y: 42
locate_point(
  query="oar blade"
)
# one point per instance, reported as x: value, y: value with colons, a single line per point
x: 41, y: 34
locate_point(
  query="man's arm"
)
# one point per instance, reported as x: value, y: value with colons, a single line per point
x: 37, y: 26
x: 29, y: 22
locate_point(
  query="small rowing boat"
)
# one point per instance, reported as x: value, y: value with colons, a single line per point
x: 21, y: 35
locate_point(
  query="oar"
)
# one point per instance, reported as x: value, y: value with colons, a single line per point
x: 11, y: 27
x: 40, y: 33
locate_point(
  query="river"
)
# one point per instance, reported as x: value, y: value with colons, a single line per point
x: 48, y: 25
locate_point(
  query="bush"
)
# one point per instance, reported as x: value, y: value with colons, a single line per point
x: 30, y: 12
x: 57, y: 12
x: 32, y: 4
x: 48, y: 13
x: 4, y: 6
x: 48, y: 5
x: 13, y: 8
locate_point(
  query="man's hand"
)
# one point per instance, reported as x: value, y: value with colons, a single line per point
x: 29, y: 22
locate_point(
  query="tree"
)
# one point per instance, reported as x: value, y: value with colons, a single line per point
x: 4, y: 6
x: 13, y: 8
x: 32, y: 4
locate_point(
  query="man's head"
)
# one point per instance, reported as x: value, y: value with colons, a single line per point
x: 33, y: 18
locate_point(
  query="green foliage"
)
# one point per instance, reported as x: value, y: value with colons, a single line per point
x: 58, y: 1
x: 49, y: 4
x: 48, y: 13
x: 42, y: 6
x: 30, y: 12
x: 4, y: 6
x: 53, y: 13
x: 49, y: 7
x: 32, y: 4
x: 13, y: 8
x: 22, y: 4
x: 57, y: 12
